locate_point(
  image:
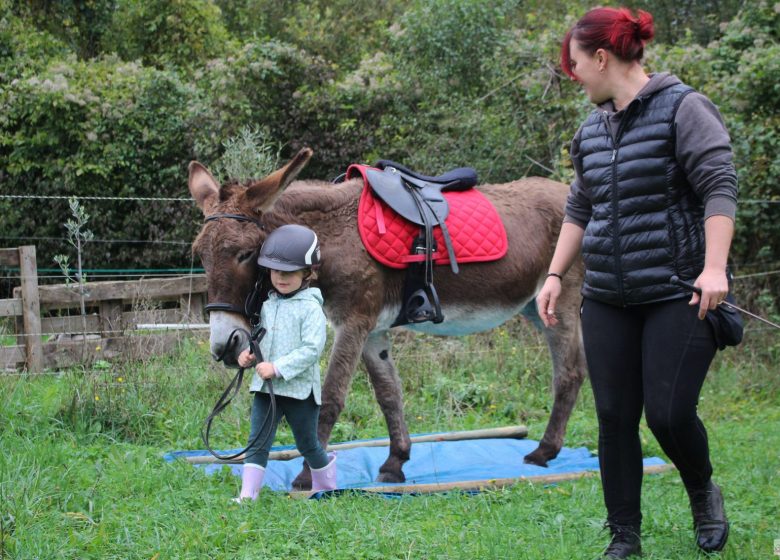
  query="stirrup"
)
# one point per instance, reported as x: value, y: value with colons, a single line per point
x: 419, y: 309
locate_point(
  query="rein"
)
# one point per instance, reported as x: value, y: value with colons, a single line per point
x: 234, y: 386
x: 252, y: 301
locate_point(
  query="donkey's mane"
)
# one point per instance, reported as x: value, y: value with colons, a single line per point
x: 304, y: 197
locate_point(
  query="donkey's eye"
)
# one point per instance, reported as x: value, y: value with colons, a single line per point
x: 245, y: 256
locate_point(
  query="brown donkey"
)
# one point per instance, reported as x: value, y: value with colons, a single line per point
x: 362, y: 297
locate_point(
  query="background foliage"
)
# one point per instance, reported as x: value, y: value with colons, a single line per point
x: 115, y: 97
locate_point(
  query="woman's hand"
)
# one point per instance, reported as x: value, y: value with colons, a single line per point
x: 265, y: 370
x: 718, y: 231
x: 714, y: 287
x: 546, y: 300
x: 566, y: 251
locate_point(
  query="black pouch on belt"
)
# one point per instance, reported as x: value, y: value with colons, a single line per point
x: 726, y: 324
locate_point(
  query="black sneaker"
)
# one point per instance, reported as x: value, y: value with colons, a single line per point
x: 625, y: 542
x: 709, y: 518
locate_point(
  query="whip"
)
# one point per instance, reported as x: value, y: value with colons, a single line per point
x: 676, y: 280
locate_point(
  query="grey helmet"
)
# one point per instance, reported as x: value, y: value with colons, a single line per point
x: 290, y: 247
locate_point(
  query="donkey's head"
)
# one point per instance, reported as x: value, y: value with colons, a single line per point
x: 228, y: 244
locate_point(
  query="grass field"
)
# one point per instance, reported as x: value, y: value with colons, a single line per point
x: 82, y: 474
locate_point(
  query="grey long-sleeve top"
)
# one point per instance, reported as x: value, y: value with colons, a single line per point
x: 703, y: 150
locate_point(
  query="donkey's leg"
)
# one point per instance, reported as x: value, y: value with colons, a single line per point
x: 387, y: 388
x: 347, y: 343
x: 569, y: 370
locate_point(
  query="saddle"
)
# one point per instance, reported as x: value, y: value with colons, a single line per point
x: 419, y: 199
x: 396, y: 201
x: 401, y: 188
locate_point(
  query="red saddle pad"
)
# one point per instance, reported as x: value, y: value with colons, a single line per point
x: 477, y: 233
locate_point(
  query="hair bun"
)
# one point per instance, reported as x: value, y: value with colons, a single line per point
x: 645, y: 29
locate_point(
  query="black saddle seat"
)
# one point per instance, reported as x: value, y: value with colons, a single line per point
x: 459, y: 179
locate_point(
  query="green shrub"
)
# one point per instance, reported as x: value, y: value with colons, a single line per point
x: 24, y: 50
x: 740, y: 72
x: 100, y: 128
x: 79, y: 24
x: 184, y: 33
x: 444, y: 44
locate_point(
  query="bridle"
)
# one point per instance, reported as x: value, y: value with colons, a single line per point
x: 251, y: 311
x: 249, y: 303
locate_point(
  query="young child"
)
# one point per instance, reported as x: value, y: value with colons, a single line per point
x: 291, y: 348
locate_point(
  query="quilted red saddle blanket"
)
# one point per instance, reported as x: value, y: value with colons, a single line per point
x: 477, y: 233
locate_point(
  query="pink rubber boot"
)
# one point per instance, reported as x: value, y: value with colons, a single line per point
x: 251, y: 482
x: 324, y: 478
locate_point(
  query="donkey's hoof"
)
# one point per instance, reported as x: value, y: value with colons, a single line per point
x: 391, y: 477
x: 302, y: 481
x: 536, y: 457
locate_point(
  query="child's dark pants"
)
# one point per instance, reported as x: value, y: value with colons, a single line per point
x: 302, y: 416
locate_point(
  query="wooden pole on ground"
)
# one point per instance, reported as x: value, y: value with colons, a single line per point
x: 515, y: 432
x: 487, y: 484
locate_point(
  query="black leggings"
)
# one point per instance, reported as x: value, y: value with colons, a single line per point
x: 654, y: 355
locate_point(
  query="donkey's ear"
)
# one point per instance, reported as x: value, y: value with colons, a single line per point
x: 203, y: 188
x: 263, y: 193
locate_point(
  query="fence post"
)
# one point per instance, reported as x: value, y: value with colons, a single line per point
x: 191, y: 306
x: 31, y: 307
x: 111, y: 318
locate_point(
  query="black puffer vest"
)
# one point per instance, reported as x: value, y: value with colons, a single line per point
x: 647, y: 223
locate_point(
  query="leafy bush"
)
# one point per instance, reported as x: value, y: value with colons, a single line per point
x: 184, y: 33
x: 24, y: 50
x: 258, y: 85
x: 102, y: 128
x: 740, y: 72
x: 79, y: 24
x: 446, y: 43
x: 432, y: 84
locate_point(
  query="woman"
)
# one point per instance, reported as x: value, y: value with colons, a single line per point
x: 654, y: 196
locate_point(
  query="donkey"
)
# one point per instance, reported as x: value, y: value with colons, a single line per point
x: 362, y: 296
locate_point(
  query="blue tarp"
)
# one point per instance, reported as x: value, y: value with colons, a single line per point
x: 436, y: 462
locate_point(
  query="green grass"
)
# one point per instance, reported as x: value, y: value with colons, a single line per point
x: 82, y: 474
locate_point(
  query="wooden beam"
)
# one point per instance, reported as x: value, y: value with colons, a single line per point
x: 71, y: 324
x: 9, y: 257
x: 515, y: 432
x: 11, y: 357
x: 65, y: 353
x: 111, y: 317
x: 127, y: 291
x: 132, y: 318
x: 192, y: 307
x: 488, y: 484
x: 10, y: 307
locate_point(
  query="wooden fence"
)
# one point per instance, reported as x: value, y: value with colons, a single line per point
x: 51, y: 332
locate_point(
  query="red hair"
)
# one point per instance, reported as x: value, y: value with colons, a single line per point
x: 614, y: 29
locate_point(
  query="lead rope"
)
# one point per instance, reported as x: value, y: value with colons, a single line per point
x: 234, y: 386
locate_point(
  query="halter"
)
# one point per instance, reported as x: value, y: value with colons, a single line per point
x: 239, y: 217
x: 251, y: 299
